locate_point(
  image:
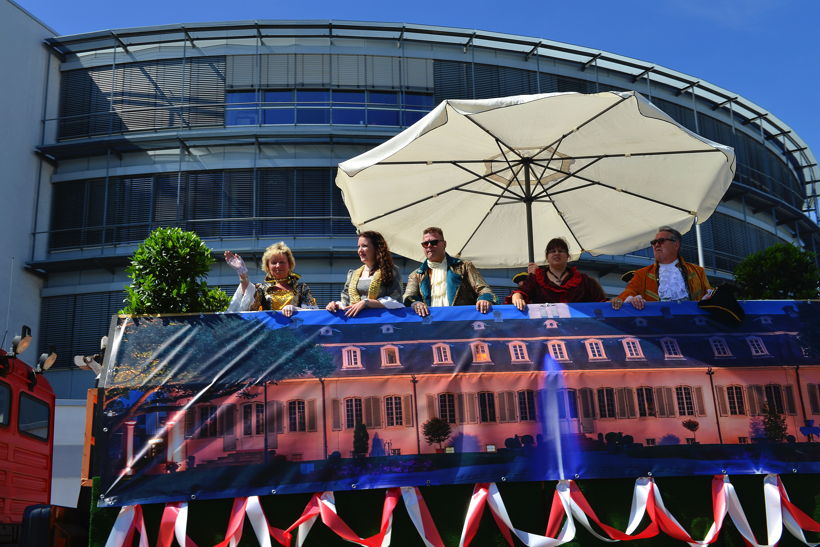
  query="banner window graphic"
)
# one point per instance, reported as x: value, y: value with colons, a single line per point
x: 235, y: 405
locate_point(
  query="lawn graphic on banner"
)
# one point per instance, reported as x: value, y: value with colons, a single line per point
x: 227, y: 405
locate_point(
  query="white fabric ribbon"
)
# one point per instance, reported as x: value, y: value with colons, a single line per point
x: 123, y: 525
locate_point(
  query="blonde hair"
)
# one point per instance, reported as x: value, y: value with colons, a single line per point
x: 277, y: 249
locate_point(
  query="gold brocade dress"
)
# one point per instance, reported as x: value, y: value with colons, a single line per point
x: 270, y: 297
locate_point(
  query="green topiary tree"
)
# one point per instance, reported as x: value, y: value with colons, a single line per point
x: 774, y: 425
x: 780, y: 272
x: 168, y: 272
x: 361, y: 440
x: 691, y: 425
x: 436, y: 431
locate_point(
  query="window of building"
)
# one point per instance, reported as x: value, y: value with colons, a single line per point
x: 719, y: 347
x: 567, y: 404
x: 351, y: 358
x: 207, y: 421
x: 774, y: 397
x: 447, y: 407
x: 324, y: 106
x: 650, y: 442
x: 353, y: 412
x: 297, y: 417
x: 734, y: 396
x: 690, y: 440
x: 259, y: 427
x: 441, y: 355
x: 518, y: 352
x: 33, y: 417
x: 390, y: 356
x: 526, y: 405
x: 393, y: 411
x: 686, y: 405
x: 486, y: 406
x: 671, y: 350
x: 551, y: 324
x: 606, y: 402
x: 558, y: 350
x: 247, y: 420
x: 5, y: 403
x: 481, y: 352
x: 595, y: 349
x: 814, y: 397
x: 757, y: 346
x: 632, y: 348
x: 646, y: 401
x: 743, y: 440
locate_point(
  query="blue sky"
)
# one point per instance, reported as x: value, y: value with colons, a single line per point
x: 765, y: 50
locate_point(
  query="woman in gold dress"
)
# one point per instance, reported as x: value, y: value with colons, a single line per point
x: 281, y: 291
x: 375, y: 284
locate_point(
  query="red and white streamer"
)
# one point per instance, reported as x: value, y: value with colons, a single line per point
x: 173, y: 524
x: 420, y: 516
x: 568, y: 507
x: 129, y: 521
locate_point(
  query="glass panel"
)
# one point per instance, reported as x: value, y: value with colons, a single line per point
x: 5, y: 403
x: 240, y: 97
x: 241, y: 117
x: 355, y: 97
x: 351, y: 116
x: 383, y: 117
x: 312, y: 115
x: 317, y: 98
x: 418, y: 99
x: 279, y: 116
x: 34, y: 417
x: 279, y: 96
x: 384, y: 97
x: 412, y: 116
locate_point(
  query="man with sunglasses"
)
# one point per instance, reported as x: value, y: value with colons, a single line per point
x: 669, y: 278
x: 443, y: 280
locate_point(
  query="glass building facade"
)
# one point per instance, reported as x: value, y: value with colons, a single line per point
x: 234, y: 130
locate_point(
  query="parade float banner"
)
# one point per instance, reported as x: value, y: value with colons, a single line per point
x: 227, y: 405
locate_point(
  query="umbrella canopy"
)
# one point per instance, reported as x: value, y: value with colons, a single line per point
x: 500, y: 176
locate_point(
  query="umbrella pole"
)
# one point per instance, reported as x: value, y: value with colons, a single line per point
x: 528, y: 205
x: 700, y: 243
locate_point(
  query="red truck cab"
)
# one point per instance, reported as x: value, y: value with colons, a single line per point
x: 26, y: 442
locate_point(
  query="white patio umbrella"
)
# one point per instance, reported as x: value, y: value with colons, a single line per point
x: 501, y: 176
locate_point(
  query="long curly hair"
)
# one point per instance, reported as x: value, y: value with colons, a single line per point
x: 383, y: 259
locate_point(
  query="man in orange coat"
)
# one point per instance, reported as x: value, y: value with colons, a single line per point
x: 669, y: 278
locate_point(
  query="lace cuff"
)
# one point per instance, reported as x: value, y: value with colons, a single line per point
x: 242, y: 300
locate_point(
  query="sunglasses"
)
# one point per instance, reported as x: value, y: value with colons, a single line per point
x: 660, y: 240
x: 430, y: 243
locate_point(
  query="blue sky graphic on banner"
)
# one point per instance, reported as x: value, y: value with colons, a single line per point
x: 226, y: 405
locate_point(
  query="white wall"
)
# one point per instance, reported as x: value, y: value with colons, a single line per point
x: 24, y: 62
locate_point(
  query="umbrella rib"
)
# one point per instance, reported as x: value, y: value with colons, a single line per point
x: 622, y: 155
x: 546, y: 165
x: 590, y: 120
x: 482, y: 193
x: 567, y: 177
x: 494, y: 137
x: 633, y: 194
x: 478, y: 225
x: 457, y: 187
x: 504, y: 189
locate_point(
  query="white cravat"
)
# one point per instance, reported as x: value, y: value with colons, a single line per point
x: 438, y: 283
x: 671, y: 285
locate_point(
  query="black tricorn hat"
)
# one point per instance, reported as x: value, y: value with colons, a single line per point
x: 627, y: 277
x: 723, y: 305
x: 520, y: 276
